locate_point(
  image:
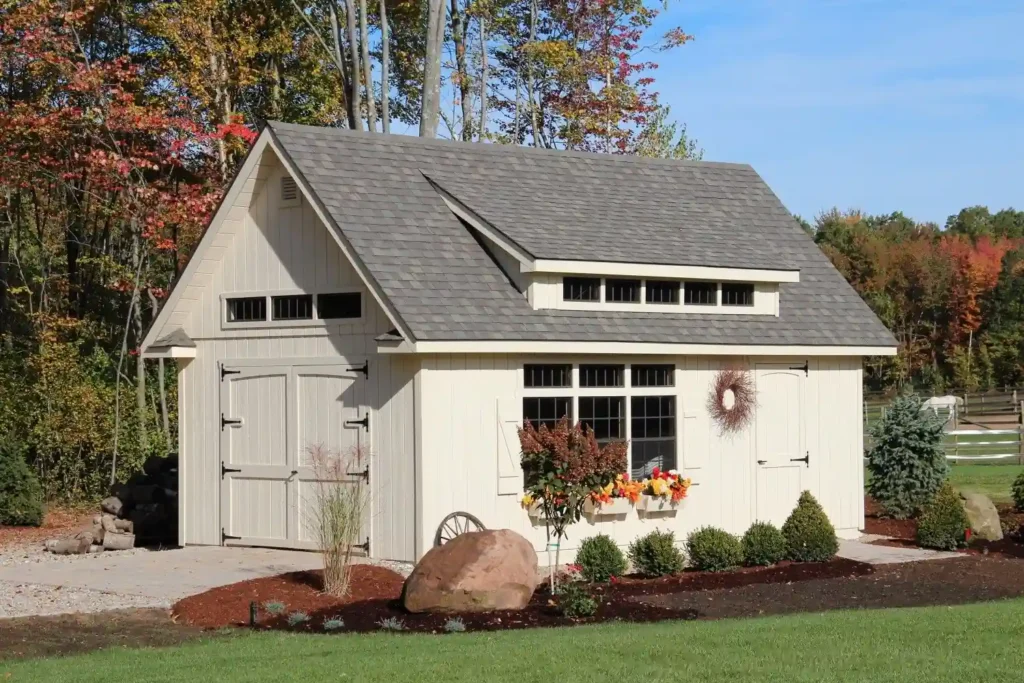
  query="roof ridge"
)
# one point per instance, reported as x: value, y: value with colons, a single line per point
x: 496, y: 148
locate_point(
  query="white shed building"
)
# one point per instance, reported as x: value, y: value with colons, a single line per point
x: 422, y: 298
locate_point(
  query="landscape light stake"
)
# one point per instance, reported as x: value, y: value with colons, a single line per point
x: 253, y: 613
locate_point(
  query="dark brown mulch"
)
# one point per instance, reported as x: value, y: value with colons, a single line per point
x: 932, y: 582
x: 31, y: 637
x: 875, y: 523
x: 376, y: 597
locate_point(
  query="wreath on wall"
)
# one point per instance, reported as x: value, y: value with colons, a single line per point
x: 732, y: 399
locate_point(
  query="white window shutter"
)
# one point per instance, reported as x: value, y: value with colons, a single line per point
x: 510, y: 472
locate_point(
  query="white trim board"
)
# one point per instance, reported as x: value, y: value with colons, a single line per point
x: 655, y: 270
x: 633, y: 348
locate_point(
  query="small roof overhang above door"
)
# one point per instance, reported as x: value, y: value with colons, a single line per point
x: 177, y: 344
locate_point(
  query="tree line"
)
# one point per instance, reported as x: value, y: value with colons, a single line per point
x: 122, y: 121
x: 952, y: 295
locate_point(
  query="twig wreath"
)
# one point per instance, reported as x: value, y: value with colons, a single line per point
x: 732, y: 399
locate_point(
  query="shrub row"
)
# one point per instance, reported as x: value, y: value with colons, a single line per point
x: 807, y: 536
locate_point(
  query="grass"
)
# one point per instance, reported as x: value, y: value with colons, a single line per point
x: 933, y: 645
x: 992, y: 480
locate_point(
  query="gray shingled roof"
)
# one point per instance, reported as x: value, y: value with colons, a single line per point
x: 175, y: 337
x: 567, y: 205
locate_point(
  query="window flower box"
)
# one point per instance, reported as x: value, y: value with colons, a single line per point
x: 653, y: 504
x: 609, y: 508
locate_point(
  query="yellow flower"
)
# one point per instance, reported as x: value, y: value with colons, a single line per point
x: 527, y: 500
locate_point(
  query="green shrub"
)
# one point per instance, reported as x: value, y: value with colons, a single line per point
x: 600, y: 559
x: 575, y: 601
x: 1018, y: 492
x: 907, y: 462
x: 943, y: 524
x: 21, y: 496
x: 763, y: 545
x: 810, y: 537
x: 713, y: 550
x: 656, y: 554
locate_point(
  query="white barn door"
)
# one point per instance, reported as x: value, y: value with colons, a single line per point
x: 781, y: 439
x: 272, y: 420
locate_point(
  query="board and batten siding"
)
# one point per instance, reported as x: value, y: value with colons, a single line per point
x: 471, y: 404
x: 270, y: 249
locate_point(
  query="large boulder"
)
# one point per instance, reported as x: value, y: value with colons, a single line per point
x: 477, y: 571
x: 983, y: 516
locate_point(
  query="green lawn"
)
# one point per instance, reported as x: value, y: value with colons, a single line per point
x: 992, y: 480
x: 968, y: 643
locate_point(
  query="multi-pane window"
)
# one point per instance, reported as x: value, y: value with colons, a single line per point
x: 700, y: 293
x: 621, y: 291
x: 737, y: 294
x: 662, y: 291
x: 247, y: 309
x: 606, y: 415
x: 653, y: 442
x: 601, y: 375
x: 581, y: 288
x: 546, y: 410
x: 340, y: 305
x: 294, y: 307
x: 547, y: 376
x: 653, y: 375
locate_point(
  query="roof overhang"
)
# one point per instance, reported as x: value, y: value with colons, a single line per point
x: 631, y: 348
x: 176, y: 352
x: 655, y: 270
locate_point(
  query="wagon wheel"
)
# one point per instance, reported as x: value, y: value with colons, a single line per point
x: 455, y: 524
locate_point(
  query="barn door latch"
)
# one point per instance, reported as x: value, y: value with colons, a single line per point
x: 364, y: 423
x: 806, y: 367
x: 228, y: 422
x: 365, y: 474
x: 805, y: 460
x: 224, y: 372
x: 364, y: 368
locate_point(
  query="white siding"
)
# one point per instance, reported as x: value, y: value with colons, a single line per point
x: 466, y: 401
x: 276, y: 249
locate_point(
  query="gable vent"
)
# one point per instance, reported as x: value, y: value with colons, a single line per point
x: 289, y: 191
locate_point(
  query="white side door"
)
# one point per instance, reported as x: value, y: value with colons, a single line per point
x: 782, y: 457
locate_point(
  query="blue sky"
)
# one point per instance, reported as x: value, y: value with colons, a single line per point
x: 880, y: 105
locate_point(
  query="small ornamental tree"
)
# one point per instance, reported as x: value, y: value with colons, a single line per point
x: 907, y: 462
x: 943, y: 524
x: 810, y: 536
x: 561, y: 466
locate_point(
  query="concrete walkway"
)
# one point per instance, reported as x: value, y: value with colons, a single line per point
x: 863, y: 551
x: 164, y: 575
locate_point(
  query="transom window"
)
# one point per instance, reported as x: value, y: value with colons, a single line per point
x: 622, y: 291
x: 339, y: 306
x: 700, y: 293
x: 737, y: 294
x: 581, y: 289
x: 296, y: 307
x: 634, y: 403
x: 662, y: 292
x: 247, y: 309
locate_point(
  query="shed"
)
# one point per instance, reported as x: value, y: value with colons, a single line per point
x: 420, y: 299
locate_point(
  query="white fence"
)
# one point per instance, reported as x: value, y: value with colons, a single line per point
x: 984, y: 444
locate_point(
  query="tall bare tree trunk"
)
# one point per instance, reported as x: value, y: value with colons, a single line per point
x: 140, y: 363
x: 161, y: 379
x: 430, y: 101
x: 353, y: 53
x: 364, y: 39
x: 534, y: 127
x: 482, y: 127
x: 461, y: 70
x: 351, y: 108
x: 385, y: 69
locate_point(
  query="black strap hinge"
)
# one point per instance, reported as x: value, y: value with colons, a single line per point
x: 224, y: 536
x: 806, y: 367
x: 364, y: 368
x: 364, y: 423
x: 224, y: 469
x: 806, y: 459
x: 226, y: 421
x: 365, y: 474
x: 365, y: 547
x: 224, y: 372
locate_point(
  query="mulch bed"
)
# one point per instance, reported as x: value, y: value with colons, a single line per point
x: 376, y: 593
x: 903, y: 532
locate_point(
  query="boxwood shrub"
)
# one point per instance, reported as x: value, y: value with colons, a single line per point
x: 600, y: 559
x: 810, y: 537
x: 943, y: 524
x: 21, y: 496
x: 1018, y: 492
x: 713, y: 550
x: 763, y: 545
x: 656, y: 554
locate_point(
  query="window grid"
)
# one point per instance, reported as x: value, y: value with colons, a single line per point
x: 247, y: 309
x: 653, y: 437
x: 737, y: 294
x: 546, y: 410
x: 653, y: 375
x: 602, y: 375
x: 294, y: 307
x: 621, y: 291
x: 581, y: 289
x: 538, y: 376
x: 700, y: 293
x: 662, y: 291
x: 606, y: 415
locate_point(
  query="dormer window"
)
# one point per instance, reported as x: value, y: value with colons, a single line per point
x: 662, y: 292
x: 701, y: 293
x: 737, y: 294
x: 581, y: 289
x: 622, y: 291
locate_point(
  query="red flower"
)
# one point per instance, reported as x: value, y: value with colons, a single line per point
x: 656, y: 472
